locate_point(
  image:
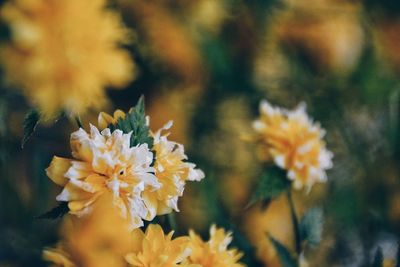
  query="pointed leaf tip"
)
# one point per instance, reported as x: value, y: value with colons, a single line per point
x: 285, y: 256
x: 30, y: 122
x: 56, y: 212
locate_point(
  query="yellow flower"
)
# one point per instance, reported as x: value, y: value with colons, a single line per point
x: 294, y: 143
x: 171, y: 169
x: 155, y: 249
x: 215, y: 252
x: 105, y: 162
x: 64, y: 53
x: 93, y: 240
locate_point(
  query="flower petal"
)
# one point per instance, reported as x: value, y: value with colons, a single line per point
x: 57, y: 169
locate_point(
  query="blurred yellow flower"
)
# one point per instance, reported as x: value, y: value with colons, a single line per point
x: 105, y: 162
x: 215, y: 252
x: 63, y: 53
x: 94, y: 240
x: 275, y: 220
x: 294, y: 143
x: 155, y: 249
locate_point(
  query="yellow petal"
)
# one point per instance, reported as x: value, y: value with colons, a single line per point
x: 118, y: 114
x: 150, y: 199
x: 137, y: 237
x: 58, y: 167
x: 96, y: 181
x: 72, y: 192
x: 133, y: 259
x: 79, y: 207
x: 58, y: 257
x: 162, y: 208
x: 104, y: 120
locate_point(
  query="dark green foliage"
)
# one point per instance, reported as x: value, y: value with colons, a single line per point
x: 135, y: 122
x: 378, y: 259
x: 56, y: 212
x: 30, y: 122
x: 270, y: 185
x: 311, y: 226
x: 286, y: 258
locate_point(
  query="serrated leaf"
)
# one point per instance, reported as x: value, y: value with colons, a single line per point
x: 378, y: 259
x: 271, y: 184
x: 311, y: 226
x: 286, y: 258
x: 56, y: 212
x: 30, y: 122
x: 135, y: 122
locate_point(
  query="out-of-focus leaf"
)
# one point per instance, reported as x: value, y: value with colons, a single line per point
x: 378, y: 259
x: 398, y: 255
x: 311, y: 226
x: 135, y: 122
x: 286, y: 258
x: 270, y: 185
x: 56, y: 212
x: 30, y: 122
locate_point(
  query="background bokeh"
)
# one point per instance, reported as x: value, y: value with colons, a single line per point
x: 206, y: 64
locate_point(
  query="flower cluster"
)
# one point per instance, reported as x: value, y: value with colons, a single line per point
x: 294, y: 143
x: 144, y: 181
x: 65, y: 63
x: 153, y: 248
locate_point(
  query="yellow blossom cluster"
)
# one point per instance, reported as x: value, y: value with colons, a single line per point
x: 153, y: 248
x: 64, y: 53
x: 294, y: 143
x: 143, y: 184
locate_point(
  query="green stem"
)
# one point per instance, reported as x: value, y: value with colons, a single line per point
x: 295, y: 221
x: 172, y: 221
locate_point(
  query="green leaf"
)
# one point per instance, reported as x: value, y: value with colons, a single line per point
x: 311, y: 226
x: 56, y: 212
x: 135, y: 122
x: 272, y: 183
x: 286, y: 258
x: 30, y: 122
x: 378, y: 259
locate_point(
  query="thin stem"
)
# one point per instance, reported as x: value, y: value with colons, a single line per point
x: 295, y: 221
x: 172, y: 221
